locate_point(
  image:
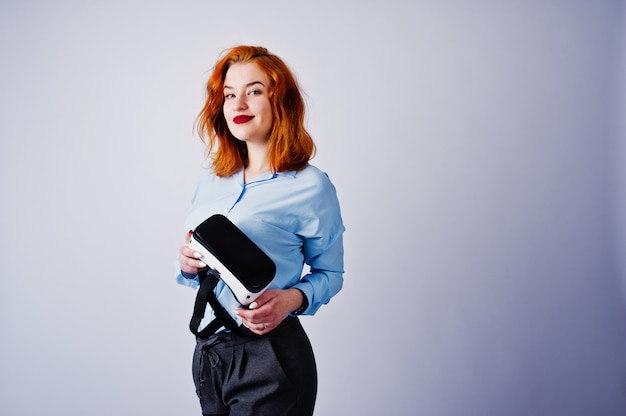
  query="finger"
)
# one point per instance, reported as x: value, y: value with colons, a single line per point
x: 265, y: 297
x: 188, y: 236
x: 251, y: 317
x: 259, y: 329
x: 189, y: 264
x: 259, y: 306
x: 188, y: 252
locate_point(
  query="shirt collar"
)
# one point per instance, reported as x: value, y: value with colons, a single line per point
x: 290, y: 173
x: 267, y: 176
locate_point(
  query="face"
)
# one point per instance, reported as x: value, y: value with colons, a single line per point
x: 247, y: 107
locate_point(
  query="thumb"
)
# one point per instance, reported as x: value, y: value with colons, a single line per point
x: 260, y: 301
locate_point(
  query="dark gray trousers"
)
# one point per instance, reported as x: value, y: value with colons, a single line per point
x: 273, y: 374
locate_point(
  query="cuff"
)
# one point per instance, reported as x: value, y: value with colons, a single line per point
x: 304, y: 306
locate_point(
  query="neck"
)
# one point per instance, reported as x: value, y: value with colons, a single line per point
x: 258, y: 162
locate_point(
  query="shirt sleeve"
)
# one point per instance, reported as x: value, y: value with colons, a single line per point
x: 323, y: 250
x: 186, y: 279
x: 325, y: 278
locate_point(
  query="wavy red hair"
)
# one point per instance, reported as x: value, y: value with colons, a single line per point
x: 290, y: 145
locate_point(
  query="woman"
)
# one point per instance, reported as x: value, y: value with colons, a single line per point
x: 261, y: 179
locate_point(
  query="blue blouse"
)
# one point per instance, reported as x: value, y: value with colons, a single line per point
x: 293, y: 216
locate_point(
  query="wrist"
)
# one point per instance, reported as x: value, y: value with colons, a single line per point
x: 187, y: 275
x: 304, y: 304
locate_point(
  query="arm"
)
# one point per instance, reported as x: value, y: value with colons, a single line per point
x: 189, y: 264
x: 323, y: 252
x: 315, y: 289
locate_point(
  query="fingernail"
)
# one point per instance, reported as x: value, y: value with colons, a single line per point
x: 236, y: 312
x: 253, y: 305
x: 197, y: 255
x: 201, y: 264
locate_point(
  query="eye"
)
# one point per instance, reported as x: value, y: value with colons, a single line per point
x: 254, y: 92
x: 229, y: 96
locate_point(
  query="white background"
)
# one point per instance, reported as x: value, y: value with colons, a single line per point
x: 478, y: 150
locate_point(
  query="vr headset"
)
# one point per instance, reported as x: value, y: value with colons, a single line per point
x: 241, y: 264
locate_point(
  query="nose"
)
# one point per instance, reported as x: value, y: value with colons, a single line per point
x: 239, y: 103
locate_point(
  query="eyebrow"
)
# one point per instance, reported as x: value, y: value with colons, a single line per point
x: 247, y: 85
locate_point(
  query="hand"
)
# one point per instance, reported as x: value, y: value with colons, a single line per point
x: 271, y: 308
x: 188, y: 258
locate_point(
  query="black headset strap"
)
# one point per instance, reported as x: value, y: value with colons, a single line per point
x: 208, y: 281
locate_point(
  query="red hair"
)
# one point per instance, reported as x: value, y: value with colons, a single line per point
x: 290, y: 145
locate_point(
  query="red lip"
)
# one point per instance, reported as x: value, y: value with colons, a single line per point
x: 242, y: 119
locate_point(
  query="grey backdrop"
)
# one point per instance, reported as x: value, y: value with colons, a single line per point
x: 478, y: 149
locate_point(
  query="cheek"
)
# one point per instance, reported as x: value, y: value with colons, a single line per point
x: 269, y: 115
x: 268, y: 122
